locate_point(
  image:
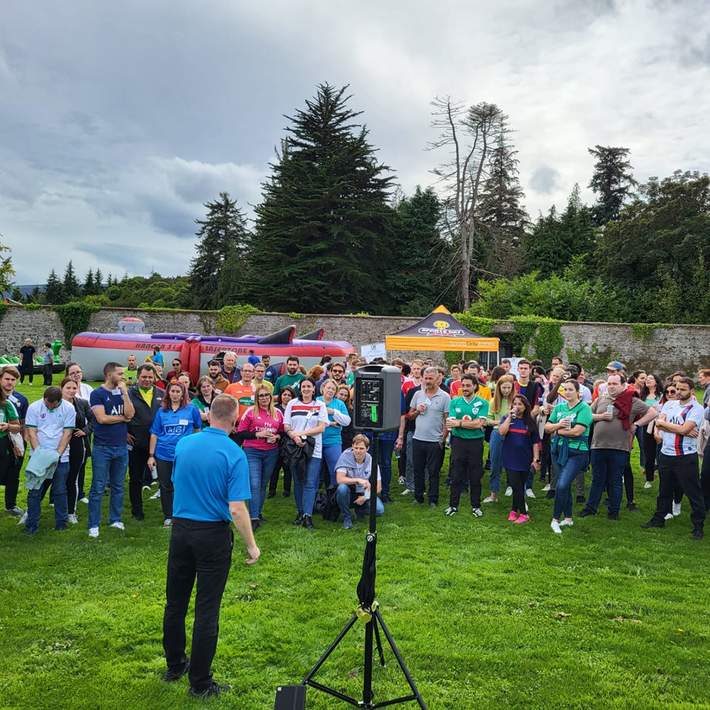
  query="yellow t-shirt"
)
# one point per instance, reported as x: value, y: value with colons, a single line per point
x: 484, y: 392
x: 147, y: 395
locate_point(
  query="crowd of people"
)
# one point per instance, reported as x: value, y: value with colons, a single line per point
x: 546, y: 427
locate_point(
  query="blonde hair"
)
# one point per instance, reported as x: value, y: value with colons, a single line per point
x: 271, y: 407
x: 329, y: 382
x: 361, y: 439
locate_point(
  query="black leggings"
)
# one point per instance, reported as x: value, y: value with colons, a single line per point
x: 165, y: 476
x: 650, y: 449
x: 274, y: 480
x: 517, y: 481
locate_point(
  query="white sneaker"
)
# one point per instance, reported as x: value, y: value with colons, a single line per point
x: 567, y: 522
x: 648, y: 484
x: 155, y: 495
x: 556, y: 527
x: 676, y: 510
x: 93, y: 532
x: 546, y: 488
x: 402, y: 480
x: 146, y: 488
x: 167, y: 522
x: 451, y: 511
x: 406, y: 492
x: 509, y: 491
x: 84, y: 500
x: 72, y: 518
x: 476, y: 512
x: 23, y: 519
x: 118, y: 525
x: 530, y: 493
x: 490, y: 499
x: 668, y: 516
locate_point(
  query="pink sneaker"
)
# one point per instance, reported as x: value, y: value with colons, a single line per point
x: 512, y: 516
x: 522, y: 519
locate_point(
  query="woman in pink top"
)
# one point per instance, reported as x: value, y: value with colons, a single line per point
x: 260, y: 430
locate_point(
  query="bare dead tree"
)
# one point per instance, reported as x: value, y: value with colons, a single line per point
x: 468, y: 135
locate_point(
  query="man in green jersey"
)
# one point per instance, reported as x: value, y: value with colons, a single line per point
x: 467, y: 421
x: 292, y: 377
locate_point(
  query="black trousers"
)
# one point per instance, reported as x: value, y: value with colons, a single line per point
x: 705, y: 477
x: 466, y: 469
x: 517, y: 481
x: 426, y: 456
x: 198, y: 551
x: 28, y: 372
x: 137, y: 467
x: 650, y: 451
x: 165, y: 476
x: 47, y: 374
x: 682, y: 471
x: 274, y: 480
x: 10, y: 466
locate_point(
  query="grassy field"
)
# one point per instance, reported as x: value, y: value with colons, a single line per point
x: 486, y: 614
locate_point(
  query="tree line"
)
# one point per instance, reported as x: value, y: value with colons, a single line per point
x: 334, y: 233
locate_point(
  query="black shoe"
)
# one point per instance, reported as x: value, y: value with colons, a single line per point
x: 550, y: 494
x: 654, y: 523
x: 262, y: 519
x: 612, y: 516
x: 632, y: 506
x: 138, y: 516
x: 586, y: 512
x: 308, y: 522
x: 173, y: 674
x: 255, y: 524
x: 580, y: 499
x: 386, y: 498
x: 299, y: 519
x: 286, y: 494
x: 210, y: 691
x: 272, y: 494
x: 698, y: 534
x: 420, y: 501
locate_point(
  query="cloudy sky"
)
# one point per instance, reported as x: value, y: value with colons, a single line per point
x: 119, y: 119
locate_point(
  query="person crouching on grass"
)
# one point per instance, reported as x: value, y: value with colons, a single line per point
x: 521, y: 450
x: 352, y: 472
x: 211, y: 481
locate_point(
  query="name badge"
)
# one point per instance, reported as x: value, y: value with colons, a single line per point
x: 116, y: 391
x: 183, y: 422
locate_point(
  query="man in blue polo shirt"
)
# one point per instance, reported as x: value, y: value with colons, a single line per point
x: 211, y: 481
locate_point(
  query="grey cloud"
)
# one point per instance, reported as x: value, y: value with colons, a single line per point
x: 545, y: 179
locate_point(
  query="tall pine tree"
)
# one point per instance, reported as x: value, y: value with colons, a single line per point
x: 88, y: 289
x: 500, y: 209
x: 224, y: 239
x: 54, y: 291
x: 323, y: 225
x: 612, y: 181
x: 71, y: 287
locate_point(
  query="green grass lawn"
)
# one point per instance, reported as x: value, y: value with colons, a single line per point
x: 486, y: 614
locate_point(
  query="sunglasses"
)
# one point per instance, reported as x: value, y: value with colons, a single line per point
x: 670, y: 391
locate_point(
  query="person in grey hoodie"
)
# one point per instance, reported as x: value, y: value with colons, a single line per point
x: 352, y: 473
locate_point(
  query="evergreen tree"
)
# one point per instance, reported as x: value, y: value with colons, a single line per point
x: 54, y: 291
x: 420, y: 258
x: 72, y: 290
x: 98, y: 281
x: 612, y: 182
x: 500, y: 211
x: 224, y: 239
x: 88, y: 289
x: 323, y: 226
x: 16, y: 294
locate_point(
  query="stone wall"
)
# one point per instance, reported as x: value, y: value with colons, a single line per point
x: 593, y: 344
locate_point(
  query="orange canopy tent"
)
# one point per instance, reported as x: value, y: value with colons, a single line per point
x: 440, y: 331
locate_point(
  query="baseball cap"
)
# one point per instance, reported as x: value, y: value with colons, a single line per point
x: 615, y: 365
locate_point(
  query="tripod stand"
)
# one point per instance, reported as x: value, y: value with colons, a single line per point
x: 368, y: 609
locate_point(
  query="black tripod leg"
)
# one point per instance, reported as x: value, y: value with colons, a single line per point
x: 399, y: 658
x: 330, y: 649
x: 378, y: 642
x: 367, y: 679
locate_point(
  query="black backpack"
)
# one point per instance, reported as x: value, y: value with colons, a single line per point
x: 327, y: 504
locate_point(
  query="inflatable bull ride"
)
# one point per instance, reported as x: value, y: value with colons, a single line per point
x: 93, y: 350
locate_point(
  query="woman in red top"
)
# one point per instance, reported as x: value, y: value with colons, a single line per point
x: 260, y: 429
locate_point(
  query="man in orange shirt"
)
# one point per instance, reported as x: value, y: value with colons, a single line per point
x: 243, y: 391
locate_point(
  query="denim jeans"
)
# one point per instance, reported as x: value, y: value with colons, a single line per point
x: 261, y: 466
x: 576, y: 462
x: 495, y: 451
x: 385, y: 449
x: 607, y: 469
x: 109, y: 468
x: 344, y: 496
x: 331, y: 454
x: 642, y: 450
x: 305, y: 491
x: 58, y: 496
x: 409, y: 470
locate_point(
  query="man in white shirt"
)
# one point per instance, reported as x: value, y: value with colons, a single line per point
x: 677, y: 427
x: 49, y: 425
